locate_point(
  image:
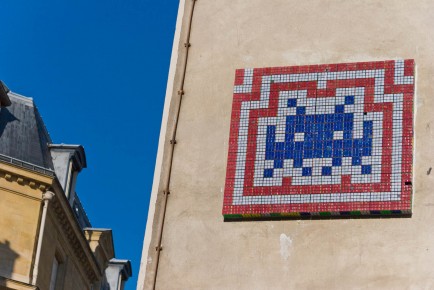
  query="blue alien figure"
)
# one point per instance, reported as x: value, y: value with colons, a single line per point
x: 319, y: 140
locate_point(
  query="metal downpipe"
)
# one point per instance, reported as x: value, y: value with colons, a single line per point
x: 46, y: 197
x: 166, y: 191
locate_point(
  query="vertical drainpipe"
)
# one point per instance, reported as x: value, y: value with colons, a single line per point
x: 46, y: 197
x: 166, y: 191
x: 68, y: 179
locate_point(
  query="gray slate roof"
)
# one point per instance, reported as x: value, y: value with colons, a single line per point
x: 23, y: 135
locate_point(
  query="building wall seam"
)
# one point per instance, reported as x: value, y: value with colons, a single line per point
x: 162, y: 140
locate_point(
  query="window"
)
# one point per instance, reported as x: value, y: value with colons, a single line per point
x: 54, y: 270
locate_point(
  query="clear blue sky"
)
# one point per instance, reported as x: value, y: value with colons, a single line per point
x: 97, y: 70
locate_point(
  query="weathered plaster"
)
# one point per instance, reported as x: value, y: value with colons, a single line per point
x: 203, y: 252
x: 174, y: 62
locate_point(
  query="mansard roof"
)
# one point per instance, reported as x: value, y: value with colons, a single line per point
x: 23, y: 135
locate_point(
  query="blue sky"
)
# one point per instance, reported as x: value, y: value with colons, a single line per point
x: 97, y: 70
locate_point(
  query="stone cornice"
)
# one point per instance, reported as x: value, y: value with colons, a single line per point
x: 24, y: 182
x: 26, y: 166
x: 25, y: 176
x: 75, y: 236
x: 21, y: 180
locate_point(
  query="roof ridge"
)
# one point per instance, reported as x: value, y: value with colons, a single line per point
x: 21, y: 97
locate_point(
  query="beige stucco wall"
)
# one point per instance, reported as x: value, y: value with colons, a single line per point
x: 19, y: 229
x: 203, y: 252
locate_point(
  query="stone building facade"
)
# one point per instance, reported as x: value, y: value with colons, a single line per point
x: 46, y: 240
x: 220, y: 217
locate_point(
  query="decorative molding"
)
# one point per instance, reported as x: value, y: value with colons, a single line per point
x: 74, y: 241
x: 23, y: 180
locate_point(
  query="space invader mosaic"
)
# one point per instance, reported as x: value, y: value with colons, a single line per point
x: 321, y: 140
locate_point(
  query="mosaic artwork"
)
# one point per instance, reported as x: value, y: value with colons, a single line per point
x: 321, y: 140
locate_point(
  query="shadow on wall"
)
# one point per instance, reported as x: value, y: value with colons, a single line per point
x: 104, y: 283
x: 5, y: 118
x: 7, y: 259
